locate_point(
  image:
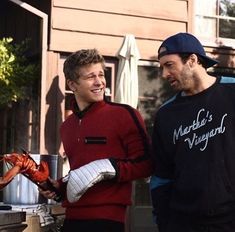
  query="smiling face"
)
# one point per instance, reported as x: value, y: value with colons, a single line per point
x: 90, y: 85
x: 179, y: 74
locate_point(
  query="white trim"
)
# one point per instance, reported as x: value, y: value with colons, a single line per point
x: 148, y: 63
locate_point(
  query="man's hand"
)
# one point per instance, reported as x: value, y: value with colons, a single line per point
x: 49, y: 194
x: 79, y: 180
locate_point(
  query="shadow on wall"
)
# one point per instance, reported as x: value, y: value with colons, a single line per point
x: 54, y: 117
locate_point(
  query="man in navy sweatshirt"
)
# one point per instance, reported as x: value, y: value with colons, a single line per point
x: 193, y: 189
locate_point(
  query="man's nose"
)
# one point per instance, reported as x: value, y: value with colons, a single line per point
x: 98, y: 79
x: 165, y: 73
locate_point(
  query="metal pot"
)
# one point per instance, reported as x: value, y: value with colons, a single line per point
x: 22, y: 191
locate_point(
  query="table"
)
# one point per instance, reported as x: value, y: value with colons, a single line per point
x: 12, y: 221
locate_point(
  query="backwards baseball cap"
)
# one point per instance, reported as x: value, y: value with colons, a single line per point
x: 184, y: 43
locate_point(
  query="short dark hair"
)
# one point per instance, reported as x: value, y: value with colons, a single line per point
x: 185, y: 56
x: 79, y: 59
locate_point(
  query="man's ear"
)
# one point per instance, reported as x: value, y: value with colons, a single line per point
x: 193, y: 59
x: 71, y: 84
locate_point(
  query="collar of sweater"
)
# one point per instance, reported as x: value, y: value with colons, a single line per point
x: 80, y: 113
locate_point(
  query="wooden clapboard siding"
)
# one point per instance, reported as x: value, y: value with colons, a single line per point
x: 164, y: 9
x: 112, y: 24
x: 77, y: 23
x: 109, y: 44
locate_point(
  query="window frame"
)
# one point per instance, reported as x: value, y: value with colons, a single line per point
x: 217, y: 39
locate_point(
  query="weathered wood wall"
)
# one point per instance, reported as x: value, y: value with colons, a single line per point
x: 79, y: 24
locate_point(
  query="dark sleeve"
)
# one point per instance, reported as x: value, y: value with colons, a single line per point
x: 162, y: 153
x: 62, y: 188
x: 160, y: 191
x: 161, y: 182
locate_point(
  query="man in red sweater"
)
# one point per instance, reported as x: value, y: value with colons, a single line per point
x: 107, y: 147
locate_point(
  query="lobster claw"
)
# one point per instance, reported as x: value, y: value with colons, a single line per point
x: 9, y: 175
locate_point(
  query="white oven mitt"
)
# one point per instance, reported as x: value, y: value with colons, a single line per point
x: 80, y: 179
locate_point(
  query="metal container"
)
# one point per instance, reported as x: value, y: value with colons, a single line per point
x: 22, y: 191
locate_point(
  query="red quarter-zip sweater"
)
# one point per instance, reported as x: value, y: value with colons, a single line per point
x: 113, y: 131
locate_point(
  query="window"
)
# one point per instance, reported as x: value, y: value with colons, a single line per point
x: 215, y: 18
x: 110, y: 79
x: 153, y: 91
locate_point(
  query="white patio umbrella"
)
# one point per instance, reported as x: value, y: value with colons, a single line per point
x: 127, y: 76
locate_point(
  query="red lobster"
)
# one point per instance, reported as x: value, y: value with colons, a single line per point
x: 24, y: 164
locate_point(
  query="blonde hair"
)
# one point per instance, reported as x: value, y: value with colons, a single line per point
x: 79, y: 59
